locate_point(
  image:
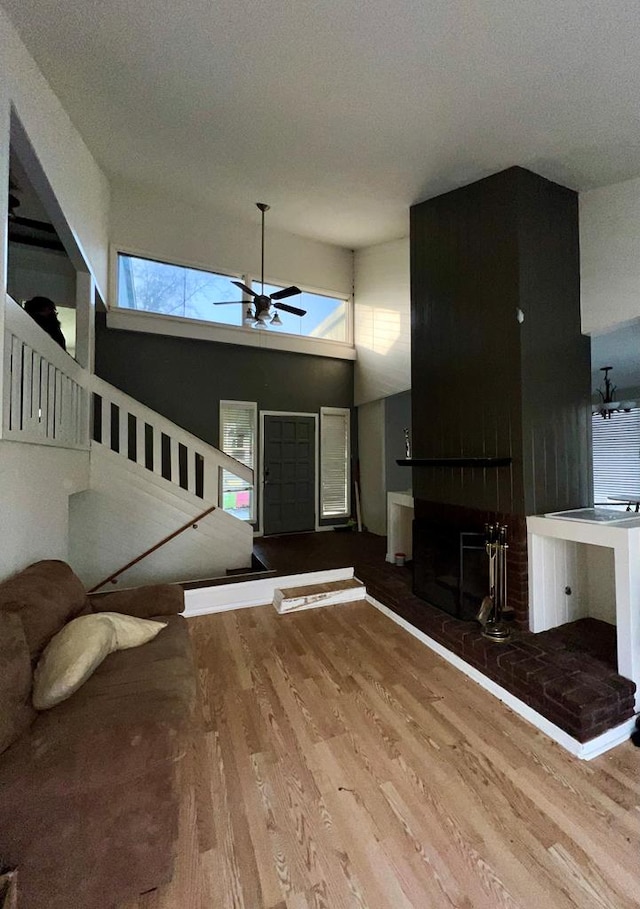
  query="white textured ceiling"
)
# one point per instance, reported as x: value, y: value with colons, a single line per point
x: 341, y: 113
x: 619, y: 349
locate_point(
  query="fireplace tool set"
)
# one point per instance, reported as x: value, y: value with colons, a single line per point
x: 494, y: 605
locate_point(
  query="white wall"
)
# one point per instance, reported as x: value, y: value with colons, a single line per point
x: 161, y: 226
x: 597, y: 567
x: 36, y: 482
x: 610, y: 256
x: 79, y: 185
x: 382, y: 321
x: 130, y: 509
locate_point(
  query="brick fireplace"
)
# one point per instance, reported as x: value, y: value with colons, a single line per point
x: 501, y: 427
x: 500, y: 372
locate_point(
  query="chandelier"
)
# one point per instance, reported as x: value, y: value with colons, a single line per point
x: 608, y: 404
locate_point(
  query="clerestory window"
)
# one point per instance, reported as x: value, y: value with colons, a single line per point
x: 326, y: 317
x: 175, y: 290
x: 166, y: 289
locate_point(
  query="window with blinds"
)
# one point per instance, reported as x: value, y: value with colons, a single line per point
x: 335, y: 478
x: 616, y: 457
x: 238, y: 431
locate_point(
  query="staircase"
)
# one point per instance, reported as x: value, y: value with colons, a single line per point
x: 147, y: 477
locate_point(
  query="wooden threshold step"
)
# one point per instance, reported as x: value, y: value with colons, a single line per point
x: 310, y: 596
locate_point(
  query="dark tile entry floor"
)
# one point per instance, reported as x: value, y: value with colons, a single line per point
x: 567, y: 674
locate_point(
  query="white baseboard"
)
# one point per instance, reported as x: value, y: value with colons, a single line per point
x: 224, y: 597
x: 586, y: 751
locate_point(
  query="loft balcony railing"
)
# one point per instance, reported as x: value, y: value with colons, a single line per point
x: 44, y: 396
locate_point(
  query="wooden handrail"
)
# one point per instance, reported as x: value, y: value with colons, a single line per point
x: 176, y: 533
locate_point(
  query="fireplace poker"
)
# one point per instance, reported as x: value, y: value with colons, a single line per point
x: 495, y: 628
x: 488, y: 603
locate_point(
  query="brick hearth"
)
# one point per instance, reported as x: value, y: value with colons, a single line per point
x: 555, y: 672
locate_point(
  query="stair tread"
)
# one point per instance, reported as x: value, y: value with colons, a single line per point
x: 289, y: 593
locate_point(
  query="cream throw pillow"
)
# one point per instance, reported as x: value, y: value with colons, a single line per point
x: 73, y: 655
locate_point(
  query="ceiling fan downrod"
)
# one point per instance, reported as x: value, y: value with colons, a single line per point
x: 259, y: 311
x: 263, y: 207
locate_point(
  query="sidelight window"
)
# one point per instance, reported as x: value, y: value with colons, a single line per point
x: 238, y: 432
x: 335, y: 475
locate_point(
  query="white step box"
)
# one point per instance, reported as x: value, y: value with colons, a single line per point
x: 311, y: 596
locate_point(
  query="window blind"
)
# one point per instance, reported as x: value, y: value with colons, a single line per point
x: 616, y: 456
x: 335, y: 480
x: 238, y: 422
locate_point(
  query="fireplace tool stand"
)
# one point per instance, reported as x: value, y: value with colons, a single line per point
x: 494, y: 605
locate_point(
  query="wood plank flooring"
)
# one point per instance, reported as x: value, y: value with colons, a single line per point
x: 343, y: 764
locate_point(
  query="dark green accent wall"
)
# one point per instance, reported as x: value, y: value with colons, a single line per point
x: 397, y: 416
x: 185, y: 380
x: 485, y: 384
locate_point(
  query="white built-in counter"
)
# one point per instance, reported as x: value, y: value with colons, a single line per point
x: 588, y: 565
x: 399, y: 524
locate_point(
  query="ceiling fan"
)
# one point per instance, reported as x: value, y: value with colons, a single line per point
x: 260, y: 311
x: 28, y: 231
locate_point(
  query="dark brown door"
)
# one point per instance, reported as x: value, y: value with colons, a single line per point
x: 289, y: 474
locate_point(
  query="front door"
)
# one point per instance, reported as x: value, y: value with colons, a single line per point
x: 289, y: 474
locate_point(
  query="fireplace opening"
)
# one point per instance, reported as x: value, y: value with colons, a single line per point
x: 450, y: 568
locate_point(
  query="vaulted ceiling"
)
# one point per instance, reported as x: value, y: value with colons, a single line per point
x: 341, y: 113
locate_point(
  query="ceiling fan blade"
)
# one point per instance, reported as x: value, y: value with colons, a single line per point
x: 291, y: 309
x: 228, y: 302
x: 245, y: 289
x: 285, y: 292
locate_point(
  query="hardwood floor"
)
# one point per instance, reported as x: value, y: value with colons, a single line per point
x: 343, y: 764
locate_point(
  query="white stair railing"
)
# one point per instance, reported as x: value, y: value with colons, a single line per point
x: 124, y: 425
x: 44, y: 398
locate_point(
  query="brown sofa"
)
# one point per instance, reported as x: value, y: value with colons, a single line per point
x: 88, y: 789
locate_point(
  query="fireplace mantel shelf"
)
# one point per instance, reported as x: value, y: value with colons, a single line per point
x: 454, y: 462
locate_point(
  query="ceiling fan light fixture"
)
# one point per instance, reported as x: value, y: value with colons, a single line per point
x: 276, y: 320
x: 249, y: 317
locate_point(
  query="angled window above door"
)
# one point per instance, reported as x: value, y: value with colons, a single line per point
x: 335, y: 473
x: 238, y: 435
